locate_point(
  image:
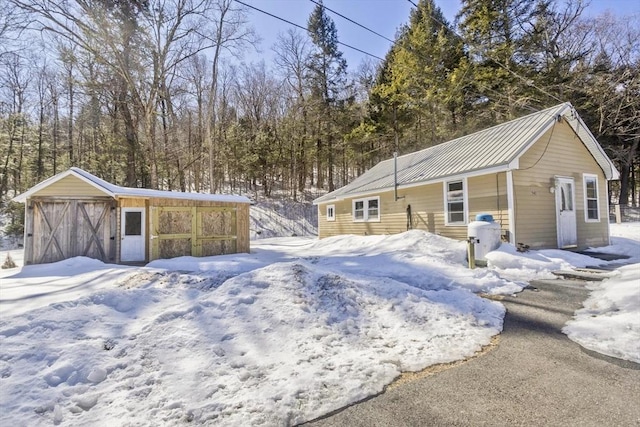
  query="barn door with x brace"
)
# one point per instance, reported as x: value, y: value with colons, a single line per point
x: 67, y: 228
x: 52, y: 223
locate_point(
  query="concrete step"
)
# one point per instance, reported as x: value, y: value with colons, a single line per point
x: 589, y: 276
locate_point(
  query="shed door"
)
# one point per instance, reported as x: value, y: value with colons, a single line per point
x: 566, y: 213
x: 66, y: 228
x: 133, y: 235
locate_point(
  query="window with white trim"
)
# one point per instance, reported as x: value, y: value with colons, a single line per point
x: 366, y: 209
x: 455, y: 202
x: 591, y: 205
x: 331, y: 212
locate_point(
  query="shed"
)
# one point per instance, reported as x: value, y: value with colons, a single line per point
x: 75, y: 213
x: 543, y: 177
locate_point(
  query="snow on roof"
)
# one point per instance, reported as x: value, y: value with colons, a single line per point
x: 496, y: 148
x: 118, y: 191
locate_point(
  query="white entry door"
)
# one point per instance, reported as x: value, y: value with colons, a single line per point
x: 566, y: 213
x: 133, y: 238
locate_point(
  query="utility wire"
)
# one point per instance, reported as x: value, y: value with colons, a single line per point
x: 352, y: 21
x: 305, y: 29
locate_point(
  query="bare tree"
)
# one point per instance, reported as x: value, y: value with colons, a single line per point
x: 293, y: 52
x: 15, y: 80
x: 230, y: 33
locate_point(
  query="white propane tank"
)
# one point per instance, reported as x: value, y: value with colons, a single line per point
x: 486, y: 234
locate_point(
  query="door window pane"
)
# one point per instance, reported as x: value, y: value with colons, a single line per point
x: 569, y: 195
x: 133, y: 223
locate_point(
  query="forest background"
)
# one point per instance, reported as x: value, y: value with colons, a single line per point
x: 155, y: 94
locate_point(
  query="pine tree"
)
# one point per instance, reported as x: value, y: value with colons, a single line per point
x: 328, y: 77
x: 419, y: 93
x: 495, y: 32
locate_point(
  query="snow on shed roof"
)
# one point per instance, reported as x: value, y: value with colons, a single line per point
x: 118, y: 191
x: 494, y: 149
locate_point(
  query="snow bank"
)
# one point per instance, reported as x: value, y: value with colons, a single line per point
x: 625, y: 240
x: 35, y: 286
x: 278, y: 345
x: 609, y: 322
x: 292, y: 331
x: 416, y: 257
x: 508, y: 263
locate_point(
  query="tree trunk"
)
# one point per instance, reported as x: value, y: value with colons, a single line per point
x: 626, y: 172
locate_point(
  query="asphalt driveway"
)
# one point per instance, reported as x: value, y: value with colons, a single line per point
x: 535, y: 376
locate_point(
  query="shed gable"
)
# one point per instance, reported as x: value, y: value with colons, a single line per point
x: 69, y: 186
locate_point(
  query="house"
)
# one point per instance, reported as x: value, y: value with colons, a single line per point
x: 75, y: 213
x: 542, y: 177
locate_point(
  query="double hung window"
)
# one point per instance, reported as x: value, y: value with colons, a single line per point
x: 331, y: 212
x: 366, y: 209
x: 591, y: 208
x: 455, y: 195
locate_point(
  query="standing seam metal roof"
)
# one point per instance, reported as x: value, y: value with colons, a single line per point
x: 489, y: 148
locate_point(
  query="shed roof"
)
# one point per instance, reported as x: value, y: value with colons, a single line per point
x: 117, y: 191
x: 490, y: 150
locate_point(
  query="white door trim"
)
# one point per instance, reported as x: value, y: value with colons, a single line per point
x: 511, y: 208
x: 566, y: 219
x: 132, y: 247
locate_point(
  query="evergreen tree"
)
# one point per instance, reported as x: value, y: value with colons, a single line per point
x: 419, y: 94
x: 328, y: 77
x: 495, y: 32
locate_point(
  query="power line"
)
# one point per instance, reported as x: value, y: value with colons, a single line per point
x: 305, y: 29
x: 352, y: 21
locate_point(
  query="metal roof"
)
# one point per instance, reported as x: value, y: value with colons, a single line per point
x: 493, y: 149
x: 115, y: 191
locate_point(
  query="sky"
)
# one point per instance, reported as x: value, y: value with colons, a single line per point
x: 381, y: 16
x: 294, y: 330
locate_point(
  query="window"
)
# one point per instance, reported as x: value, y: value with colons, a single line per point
x: 366, y: 209
x: 455, y: 195
x: 331, y: 212
x: 133, y: 223
x: 591, y: 208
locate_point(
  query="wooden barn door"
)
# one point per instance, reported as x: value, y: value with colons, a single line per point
x: 62, y: 229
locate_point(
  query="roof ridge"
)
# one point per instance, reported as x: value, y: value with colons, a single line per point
x: 413, y: 153
x: 96, y: 180
x: 494, y: 148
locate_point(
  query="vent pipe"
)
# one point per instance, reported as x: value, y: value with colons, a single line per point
x: 395, y: 176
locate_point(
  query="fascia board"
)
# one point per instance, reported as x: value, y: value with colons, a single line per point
x: 614, y: 173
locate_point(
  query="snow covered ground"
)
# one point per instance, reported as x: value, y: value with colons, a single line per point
x: 292, y: 331
x: 609, y: 322
x: 282, y: 218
